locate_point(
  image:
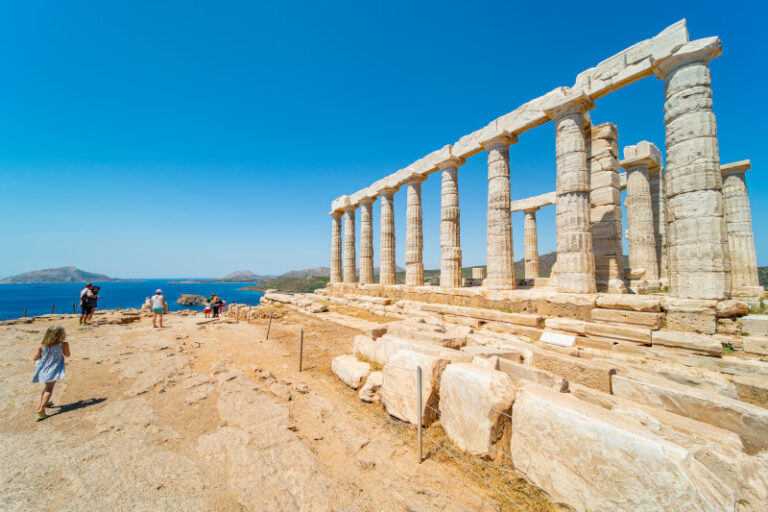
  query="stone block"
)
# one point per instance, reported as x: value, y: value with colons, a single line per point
x: 757, y: 345
x: 377, y: 331
x: 350, y: 370
x: 393, y: 344
x: 369, y: 349
x: 478, y: 273
x: 595, y: 374
x: 749, y: 421
x: 491, y: 362
x: 755, y: 325
x: 566, y: 324
x: 555, y: 338
x: 521, y: 373
x: 475, y: 404
x: 594, y: 459
x: 704, y: 323
x: 595, y: 342
x: 629, y: 302
x: 621, y: 332
x: 729, y: 326
x: 690, y: 341
x: 645, y: 319
x: 519, y: 354
x: 371, y: 390
x: 519, y: 330
x: 753, y: 390
x: 399, y: 391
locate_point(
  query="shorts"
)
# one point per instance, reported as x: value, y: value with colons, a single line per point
x: 207, y: 311
x: 158, y: 310
x: 86, y: 310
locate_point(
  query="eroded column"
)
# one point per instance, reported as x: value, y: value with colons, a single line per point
x: 641, y: 228
x: 500, y: 256
x: 450, y: 241
x: 414, y: 243
x: 531, y: 245
x: 738, y: 222
x: 349, y: 245
x: 659, y: 206
x: 336, y: 276
x: 605, y: 203
x: 699, y: 261
x: 575, y: 259
x: 387, y: 243
x: 366, y: 240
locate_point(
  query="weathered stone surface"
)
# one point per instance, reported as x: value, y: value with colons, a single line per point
x: 369, y: 349
x: 566, y: 324
x: 622, y: 332
x: 595, y: 374
x: 371, y: 390
x: 366, y: 240
x: 521, y: 374
x: 387, y: 237
x: 500, y: 265
x: 593, y: 459
x: 531, y: 246
x: 414, y: 243
x: 728, y: 308
x: 350, y: 262
x: 756, y: 345
x: 533, y: 203
x: 630, y: 302
x: 697, y: 342
x: 393, y: 344
x: 646, y: 319
x: 554, y: 338
x: 705, y: 323
x: 399, y: 386
x: 519, y: 353
x: 752, y: 389
x: 450, y: 241
x: 336, y: 272
x: 755, y: 325
x: 350, y: 370
x: 748, y: 421
x: 473, y: 403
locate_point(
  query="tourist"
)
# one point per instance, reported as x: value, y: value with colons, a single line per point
x: 50, y: 364
x: 207, y: 308
x: 223, y: 308
x: 86, y: 303
x: 159, y: 307
x: 216, y: 305
x: 95, y: 290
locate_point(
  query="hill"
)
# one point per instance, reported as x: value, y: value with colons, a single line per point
x: 307, y: 272
x: 59, y: 275
x: 242, y: 276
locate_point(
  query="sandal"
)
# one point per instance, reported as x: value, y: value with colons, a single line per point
x: 41, y: 416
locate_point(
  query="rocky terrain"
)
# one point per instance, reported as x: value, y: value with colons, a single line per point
x: 208, y: 415
x: 187, y: 299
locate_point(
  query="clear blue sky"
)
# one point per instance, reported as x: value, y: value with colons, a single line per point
x: 165, y: 139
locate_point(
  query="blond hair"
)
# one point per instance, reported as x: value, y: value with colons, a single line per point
x: 53, y: 336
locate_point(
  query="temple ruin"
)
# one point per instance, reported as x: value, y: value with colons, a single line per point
x: 611, y: 390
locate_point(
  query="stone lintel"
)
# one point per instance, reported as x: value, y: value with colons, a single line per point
x: 643, y: 153
x: 622, y: 181
x: 699, y: 50
x: 573, y: 103
x: 533, y: 203
x: 736, y: 167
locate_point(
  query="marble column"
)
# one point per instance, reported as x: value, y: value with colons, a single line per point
x: 349, y: 245
x: 414, y: 243
x: 659, y: 206
x: 336, y: 276
x: 641, y: 228
x: 699, y: 259
x: 366, y: 240
x: 387, y: 242
x: 450, y: 241
x: 531, y: 245
x: 605, y: 212
x: 575, y: 257
x: 738, y: 222
x: 500, y: 256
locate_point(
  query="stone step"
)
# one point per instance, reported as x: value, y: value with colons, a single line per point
x: 757, y: 345
x: 755, y: 325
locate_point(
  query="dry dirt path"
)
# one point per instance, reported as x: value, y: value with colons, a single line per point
x: 209, y: 417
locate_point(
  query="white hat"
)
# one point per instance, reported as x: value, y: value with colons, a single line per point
x: 158, y: 291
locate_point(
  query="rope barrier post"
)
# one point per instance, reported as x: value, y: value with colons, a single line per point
x: 418, y: 400
x: 301, y: 351
x: 74, y: 311
x: 269, y: 325
x: 53, y: 306
x: 25, y: 312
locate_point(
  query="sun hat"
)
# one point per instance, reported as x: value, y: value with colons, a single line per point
x: 158, y: 291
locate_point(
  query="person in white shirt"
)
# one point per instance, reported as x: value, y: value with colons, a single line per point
x: 86, y: 303
x: 159, y: 307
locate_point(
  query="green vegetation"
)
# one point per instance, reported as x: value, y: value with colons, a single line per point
x: 762, y: 273
x: 289, y: 284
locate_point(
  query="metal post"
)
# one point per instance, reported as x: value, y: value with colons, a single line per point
x: 269, y: 326
x: 418, y: 400
x: 52, y: 307
x: 25, y: 312
x: 301, y: 350
x: 74, y: 311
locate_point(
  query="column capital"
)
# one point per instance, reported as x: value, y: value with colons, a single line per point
x: 350, y: 207
x: 700, y: 50
x: 643, y: 154
x: 388, y: 191
x: 336, y: 213
x: 416, y: 179
x: 451, y: 162
x: 530, y: 210
x: 504, y: 139
x: 368, y: 200
x: 741, y: 166
x: 575, y: 103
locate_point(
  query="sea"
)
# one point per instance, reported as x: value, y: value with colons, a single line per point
x: 38, y: 299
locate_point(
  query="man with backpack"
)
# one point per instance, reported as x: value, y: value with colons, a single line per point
x: 86, y: 303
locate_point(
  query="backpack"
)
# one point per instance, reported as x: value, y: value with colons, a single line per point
x: 87, y: 301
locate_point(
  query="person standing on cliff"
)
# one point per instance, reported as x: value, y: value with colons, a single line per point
x: 95, y: 290
x: 86, y: 303
x: 216, y: 305
x: 159, y: 307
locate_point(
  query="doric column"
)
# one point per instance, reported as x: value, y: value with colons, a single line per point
x: 641, y: 228
x: 387, y: 243
x: 738, y: 222
x: 450, y: 241
x: 336, y: 275
x: 349, y: 244
x: 699, y: 261
x: 575, y: 259
x: 366, y: 240
x: 659, y: 206
x: 414, y: 243
x: 500, y: 262
x: 605, y: 213
x: 531, y: 245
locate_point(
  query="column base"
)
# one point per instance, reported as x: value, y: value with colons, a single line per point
x: 644, y: 286
x: 748, y: 291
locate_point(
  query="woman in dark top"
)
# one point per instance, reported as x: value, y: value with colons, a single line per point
x: 216, y: 304
x: 95, y: 302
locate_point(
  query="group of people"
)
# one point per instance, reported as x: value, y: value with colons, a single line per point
x: 214, y: 305
x: 89, y: 298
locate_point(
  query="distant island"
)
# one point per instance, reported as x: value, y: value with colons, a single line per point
x: 238, y: 276
x: 60, y: 275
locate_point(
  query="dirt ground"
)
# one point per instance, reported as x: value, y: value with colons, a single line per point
x: 213, y: 416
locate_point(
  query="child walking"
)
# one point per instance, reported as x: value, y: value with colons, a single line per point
x: 50, y: 364
x: 207, y: 309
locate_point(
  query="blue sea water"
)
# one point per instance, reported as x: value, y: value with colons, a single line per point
x: 37, y: 299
